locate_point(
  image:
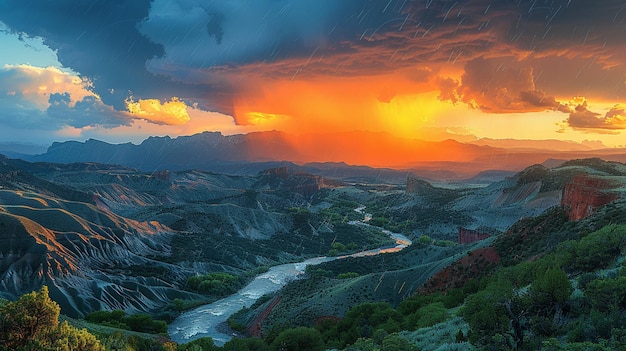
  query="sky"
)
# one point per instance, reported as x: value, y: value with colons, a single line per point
x: 123, y: 70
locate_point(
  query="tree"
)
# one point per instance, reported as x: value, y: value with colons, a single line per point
x: 607, y: 295
x: 550, y: 288
x: 249, y: 344
x: 30, y: 316
x: 32, y: 323
x: 487, y: 313
x: 202, y: 344
x: 298, y: 339
x: 394, y: 342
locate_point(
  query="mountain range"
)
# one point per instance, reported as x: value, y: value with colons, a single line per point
x: 250, y: 153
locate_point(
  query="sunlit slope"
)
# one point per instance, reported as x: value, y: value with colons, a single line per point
x: 79, y: 250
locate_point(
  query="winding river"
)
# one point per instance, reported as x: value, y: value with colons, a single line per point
x: 204, y: 320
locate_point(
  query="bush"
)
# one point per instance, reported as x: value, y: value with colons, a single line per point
x: 118, y: 319
x: 301, y: 338
x: 594, y: 251
x: 219, y: 284
x: 551, y: 287
x: 395, y: 342
x: 607, y: 294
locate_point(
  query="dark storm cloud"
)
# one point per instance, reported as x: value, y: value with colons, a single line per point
x: 549, y: 25
x: 99, y: 39
x: 210, y: 51
x: 201, y: 33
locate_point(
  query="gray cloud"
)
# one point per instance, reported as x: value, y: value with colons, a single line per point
x: 87, y: 112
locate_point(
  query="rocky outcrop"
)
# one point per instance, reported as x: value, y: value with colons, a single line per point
x: 586, y: 193
x: 282, y: 179
x: 468, y: 236
x: 416, y: 185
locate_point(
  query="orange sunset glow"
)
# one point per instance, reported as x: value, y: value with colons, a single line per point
x: 386, y: 84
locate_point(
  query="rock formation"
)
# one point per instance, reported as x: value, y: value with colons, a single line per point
x: 281, y: 179
x: 586, y: 193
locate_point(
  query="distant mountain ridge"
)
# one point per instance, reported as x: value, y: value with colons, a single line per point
x: 558, y: 145
x: 212, y: 151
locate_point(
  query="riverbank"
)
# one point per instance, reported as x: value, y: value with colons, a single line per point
x: 205, y: 320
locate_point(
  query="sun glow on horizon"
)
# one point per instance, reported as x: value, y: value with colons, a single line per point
x: 407, y: 115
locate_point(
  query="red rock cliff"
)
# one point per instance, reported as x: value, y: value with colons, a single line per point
x: 468, y: 236
x: 585, y: 194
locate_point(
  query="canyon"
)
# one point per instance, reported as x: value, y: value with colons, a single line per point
x: 112, y: 237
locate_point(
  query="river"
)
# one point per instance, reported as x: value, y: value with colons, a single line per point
x: 203, y: 321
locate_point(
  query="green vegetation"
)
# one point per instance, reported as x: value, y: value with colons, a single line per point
x: 300, y: 338
x: 559, y: 301
x: 348, y: 275
x: 530, y: 304
x: 217, y: 284
x: 593, y: 251
x: 341, y: 249
x: 119, y: 319
x: 32, y: 323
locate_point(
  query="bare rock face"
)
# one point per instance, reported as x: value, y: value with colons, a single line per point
x: 586, y: 193
x: 282, y: 179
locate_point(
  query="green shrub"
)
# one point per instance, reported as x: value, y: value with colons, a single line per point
x: 296, y: 339
x: 607, y: 294
x: 218, y: 284
x: 594, y: 251
x: 551, y: 287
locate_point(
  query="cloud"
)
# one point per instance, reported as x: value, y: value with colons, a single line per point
x: 201, y: 33
x: 36, y: 84
x: 583, y: 119
x: 173, y: 112
x: 87, y: 112
x: 48, y: 99
x: 213, y: 52
x: 499, y: 86
x: 98, y: 39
